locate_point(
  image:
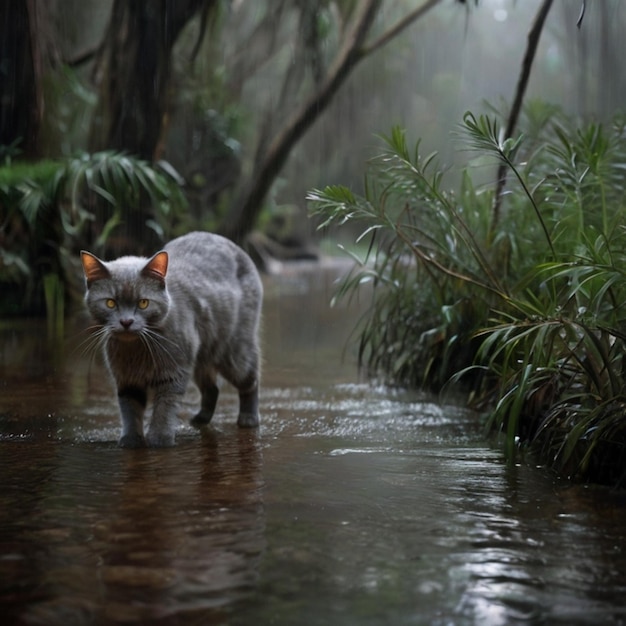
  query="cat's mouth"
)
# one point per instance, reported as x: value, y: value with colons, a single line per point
x: 125, y: 335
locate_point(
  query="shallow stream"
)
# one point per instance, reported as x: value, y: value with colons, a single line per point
x: 352, y: 504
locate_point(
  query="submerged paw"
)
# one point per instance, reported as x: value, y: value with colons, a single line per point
x: 131, y: 441
x: 202, y: 418
x: 248, y: 420
x: 160, y: 440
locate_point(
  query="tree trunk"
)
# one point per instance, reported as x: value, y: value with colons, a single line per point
x: 243, y: 215
x: 240, y: 220
x: 133, y: 70
x: 21, y: 102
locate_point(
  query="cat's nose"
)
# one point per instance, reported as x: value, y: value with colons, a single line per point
x: 127, y: 322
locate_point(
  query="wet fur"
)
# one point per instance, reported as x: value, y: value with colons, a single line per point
x: 204, y: 300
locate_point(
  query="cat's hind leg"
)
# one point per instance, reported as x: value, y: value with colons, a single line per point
x: 246, y: 381
x: 249, y: 406
x: 132, y: 403
x: 206, y: 381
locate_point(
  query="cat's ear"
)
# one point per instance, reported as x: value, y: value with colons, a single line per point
x: 93, y: 267
x: 156, y: 267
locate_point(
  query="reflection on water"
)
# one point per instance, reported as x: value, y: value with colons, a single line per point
x: 351, y: 505
x: 95, y: 533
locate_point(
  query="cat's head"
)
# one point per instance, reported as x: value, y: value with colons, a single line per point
x: 128, y: 296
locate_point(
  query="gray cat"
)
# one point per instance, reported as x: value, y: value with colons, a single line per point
x: 191, y: 310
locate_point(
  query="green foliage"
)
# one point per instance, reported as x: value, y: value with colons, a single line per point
x: 425, y: 259
x: 47, y: 207
x: 524, y: 306
x: 70, y: 104
x: 27, y: 195
x: 122, y: 182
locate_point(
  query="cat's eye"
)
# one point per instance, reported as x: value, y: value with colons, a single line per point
x: 143, y: 303
x: 110, y: 303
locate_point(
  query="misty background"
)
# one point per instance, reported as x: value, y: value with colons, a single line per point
x: 458, y: 57
x: 125, y: 125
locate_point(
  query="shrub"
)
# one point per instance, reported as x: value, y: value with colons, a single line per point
x: 47, y: 207
x: 520, y: 305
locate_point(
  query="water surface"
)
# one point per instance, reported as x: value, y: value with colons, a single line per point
x: 352, y: 504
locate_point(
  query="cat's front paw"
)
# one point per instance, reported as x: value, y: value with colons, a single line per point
x: 248, y: 420
x: 131, y: 440
x: 202, y: 418
x: 156, y: 439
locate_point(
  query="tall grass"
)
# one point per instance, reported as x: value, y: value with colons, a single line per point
x: 524, y: 312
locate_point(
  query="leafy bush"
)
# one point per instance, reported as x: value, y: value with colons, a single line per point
x: 434, y: 282
x: 51, y: 206
x: 518, y: 300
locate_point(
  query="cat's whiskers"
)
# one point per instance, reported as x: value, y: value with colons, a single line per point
x: 93, y: 342
x: 147, y: 343
x: 154, y: 343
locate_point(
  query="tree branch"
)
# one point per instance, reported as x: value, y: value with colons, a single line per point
x: 245, y: 210
x: 83, y: 57
x: 405, y: 22
x: 244, y: 213
x: 522, y: 83
x: 581, y: 15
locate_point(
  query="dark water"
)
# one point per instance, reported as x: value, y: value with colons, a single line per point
x: 351, y: 505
